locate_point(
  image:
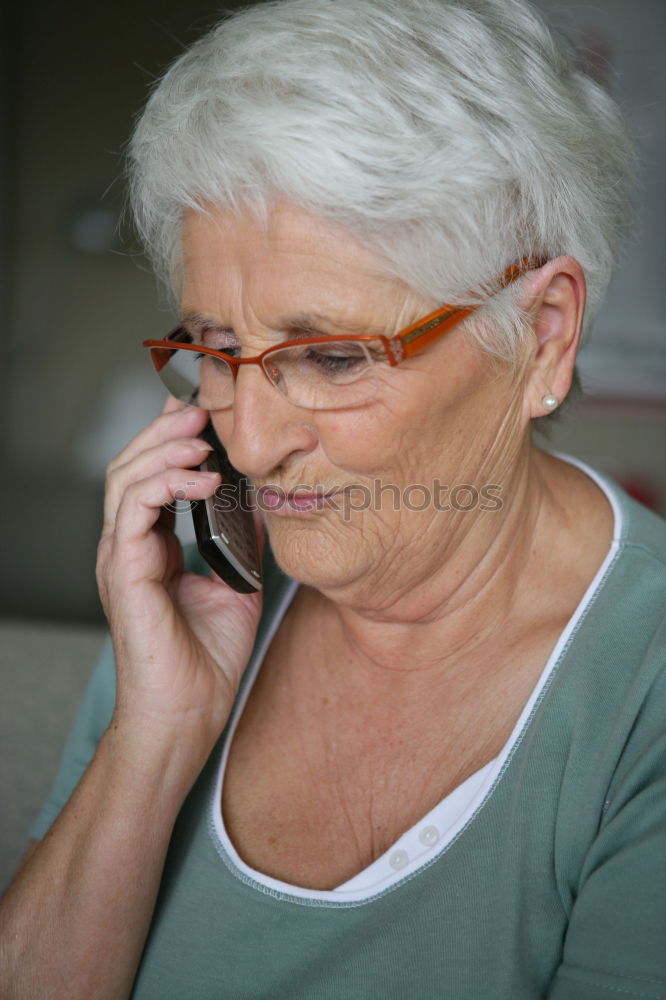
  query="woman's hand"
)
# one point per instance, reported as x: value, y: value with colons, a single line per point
x: 77, y: 915
x: 181, y: 640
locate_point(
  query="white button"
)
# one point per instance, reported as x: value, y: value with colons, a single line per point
x: 429, y: 835
x: 398, y: 859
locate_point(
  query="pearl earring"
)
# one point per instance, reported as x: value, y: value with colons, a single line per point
x: 550, y: 402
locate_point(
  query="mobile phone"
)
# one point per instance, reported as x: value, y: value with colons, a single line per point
x: 224, y: 525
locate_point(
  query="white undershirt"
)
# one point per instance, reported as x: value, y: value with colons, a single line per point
x: 423, y: 842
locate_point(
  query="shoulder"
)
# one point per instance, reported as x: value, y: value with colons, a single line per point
x: 621, y: 626
x: 610, y: 687
x: 639, y: 535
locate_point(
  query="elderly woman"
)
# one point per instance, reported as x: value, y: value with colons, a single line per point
x: 432, y: 762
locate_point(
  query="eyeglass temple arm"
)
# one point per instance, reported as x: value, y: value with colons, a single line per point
x: 414, y: 338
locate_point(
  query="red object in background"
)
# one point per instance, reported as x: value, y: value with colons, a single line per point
x: 641, y: 490
x: 596, y: 55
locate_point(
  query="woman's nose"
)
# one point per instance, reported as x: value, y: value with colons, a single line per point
x: 263, y: 430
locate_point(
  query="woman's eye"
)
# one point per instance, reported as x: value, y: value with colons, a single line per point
x: 233, y: 350
x: 219, y: 342
x: 212, y: 359
x: 336, y: 360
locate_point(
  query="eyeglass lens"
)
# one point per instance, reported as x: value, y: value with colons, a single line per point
x: 335, y: 374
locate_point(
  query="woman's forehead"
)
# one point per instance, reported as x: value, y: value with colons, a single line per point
x: 291, y: 257
x: 287, y: 234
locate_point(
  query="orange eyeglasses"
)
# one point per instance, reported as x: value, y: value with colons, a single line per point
x: 313, y: 372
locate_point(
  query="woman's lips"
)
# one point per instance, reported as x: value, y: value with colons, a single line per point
x: 276, y: 501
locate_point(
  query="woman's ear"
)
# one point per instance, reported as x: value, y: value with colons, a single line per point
x: 555, y: 299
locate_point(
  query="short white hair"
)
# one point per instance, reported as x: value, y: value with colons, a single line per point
x: 453, y: 137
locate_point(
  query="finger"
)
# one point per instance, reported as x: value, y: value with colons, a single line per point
x: 180, y: 422
x: 167, y: 518
x: 178, y: 454
x: 171, y: 404
x: 142, y: 502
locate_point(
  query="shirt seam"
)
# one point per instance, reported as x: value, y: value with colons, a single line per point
x: 644, y: 548
x: 570, y: 973
x: 596, y: 972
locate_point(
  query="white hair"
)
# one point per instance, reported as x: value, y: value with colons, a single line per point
x: 454, y: 137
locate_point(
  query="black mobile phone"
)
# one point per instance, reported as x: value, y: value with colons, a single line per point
x: 224, y: 525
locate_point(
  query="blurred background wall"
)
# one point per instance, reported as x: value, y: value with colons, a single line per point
x: 77, y: 297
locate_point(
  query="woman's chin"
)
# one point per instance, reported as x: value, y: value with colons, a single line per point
x: 313, y: 556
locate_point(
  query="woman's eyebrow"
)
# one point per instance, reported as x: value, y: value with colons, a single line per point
x: 299, y: 325
x: 316, y: 325
x: 197, y: 321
